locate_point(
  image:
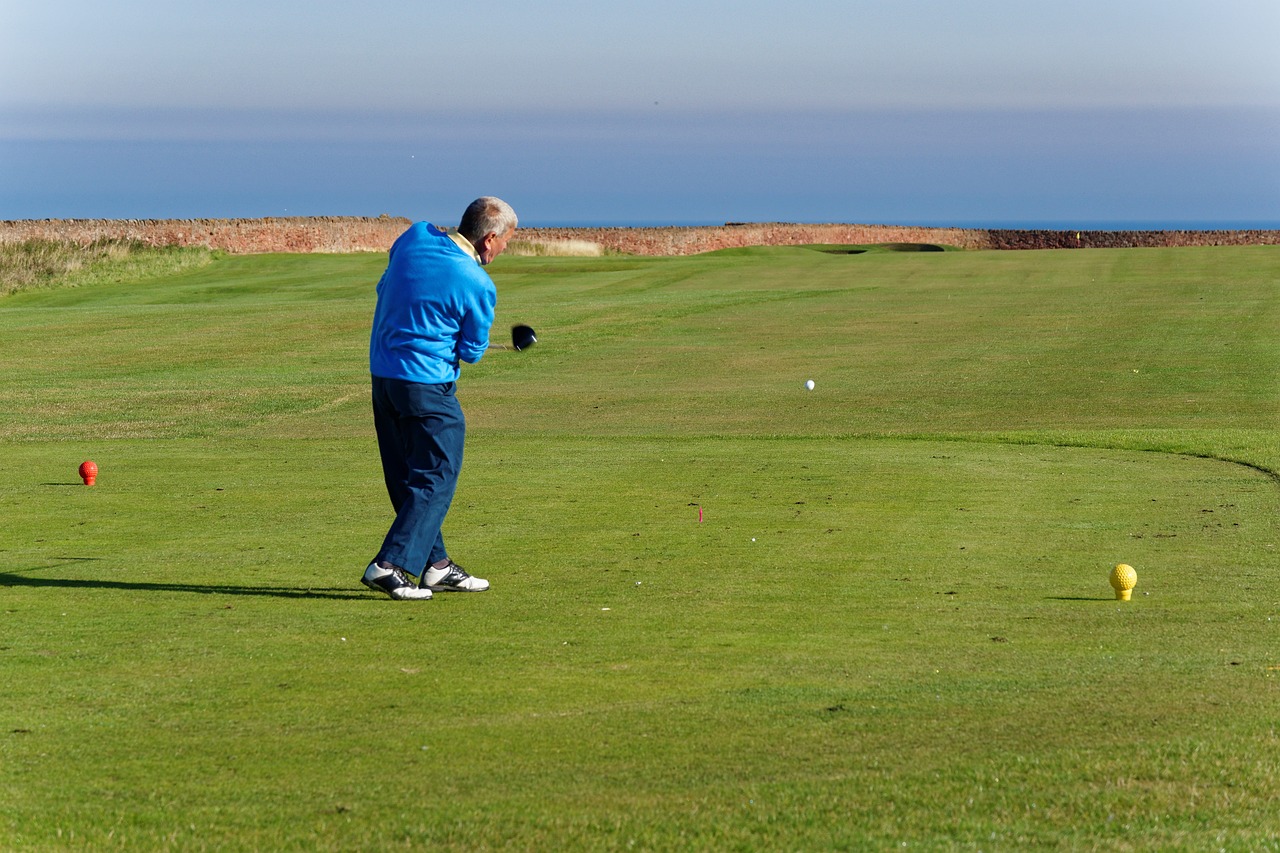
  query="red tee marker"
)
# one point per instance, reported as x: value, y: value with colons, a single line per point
x: 89, y: 472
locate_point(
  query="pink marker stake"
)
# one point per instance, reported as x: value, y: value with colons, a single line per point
x: 699, y: 515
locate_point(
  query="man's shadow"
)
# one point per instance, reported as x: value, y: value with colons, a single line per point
x: 14, y: 580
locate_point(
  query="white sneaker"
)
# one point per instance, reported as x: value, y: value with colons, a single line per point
x: 393, y: 582
x: 452, y: 578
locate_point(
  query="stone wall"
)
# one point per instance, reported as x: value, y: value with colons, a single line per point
x: 357, y: 234
x: 1126, y: 239
x: 693, y: 240
x: 237, y: 236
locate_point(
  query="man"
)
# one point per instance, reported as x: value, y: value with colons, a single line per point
x: 435, y: 307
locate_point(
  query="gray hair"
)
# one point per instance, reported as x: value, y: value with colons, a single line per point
x: 487, y: 215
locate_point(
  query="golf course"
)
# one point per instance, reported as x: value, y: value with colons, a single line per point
x: 727, y: 612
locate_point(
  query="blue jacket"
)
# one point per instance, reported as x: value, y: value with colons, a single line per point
x: 435, y: 307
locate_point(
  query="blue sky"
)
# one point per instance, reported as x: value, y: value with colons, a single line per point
x: 965, y: 112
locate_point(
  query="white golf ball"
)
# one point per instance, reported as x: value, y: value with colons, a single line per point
x: 809, y: 384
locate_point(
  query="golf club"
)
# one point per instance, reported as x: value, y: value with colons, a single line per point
x: 522, y: 337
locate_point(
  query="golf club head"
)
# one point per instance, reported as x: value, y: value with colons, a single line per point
x: 522, y: 337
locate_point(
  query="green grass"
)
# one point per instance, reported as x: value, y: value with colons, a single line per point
x: 891, y: 627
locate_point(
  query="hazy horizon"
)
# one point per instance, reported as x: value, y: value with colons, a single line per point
x: 983, y: 111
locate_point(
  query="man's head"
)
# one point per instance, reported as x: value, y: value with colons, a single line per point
x: 488, y: 223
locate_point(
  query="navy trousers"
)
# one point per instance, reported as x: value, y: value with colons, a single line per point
x: 421, y: 432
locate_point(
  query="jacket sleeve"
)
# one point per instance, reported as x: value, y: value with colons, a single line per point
x: 473, y: 339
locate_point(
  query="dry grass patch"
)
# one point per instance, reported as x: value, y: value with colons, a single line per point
x: 32, y: 264
x: 555, y: 249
